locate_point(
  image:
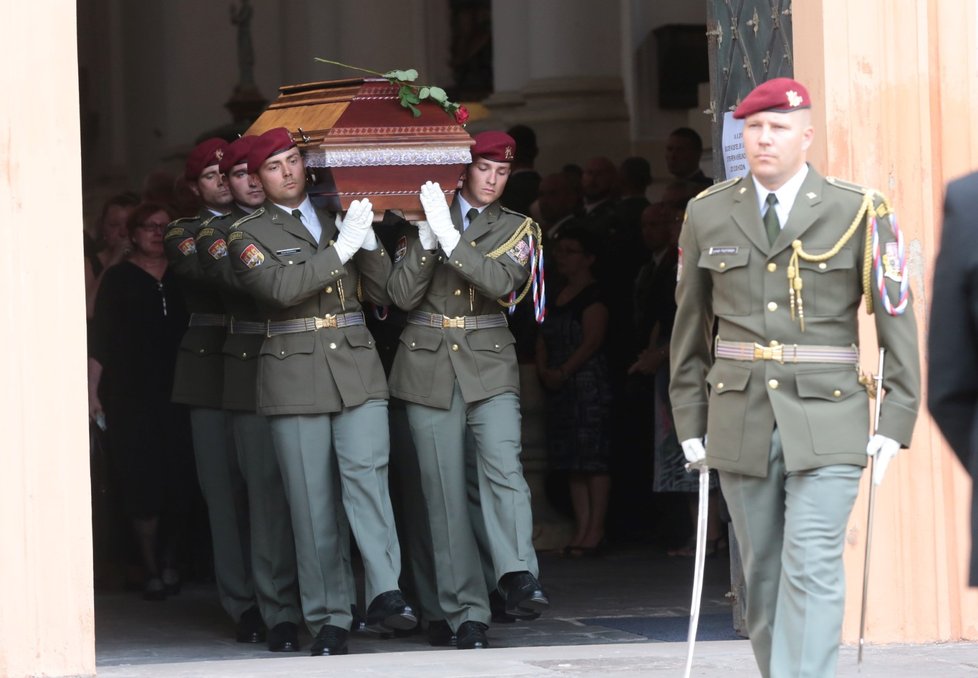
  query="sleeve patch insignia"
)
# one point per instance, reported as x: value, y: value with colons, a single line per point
x: 401, y: 250
x: 205, y: 232
x: 174, y: 232
x: 187, y: 246
x: 218, y: 248
x: 679, y: 266
x: 520, y: 253
x: 235, y: 235
x: 891, y: 262
x: 252, y: 256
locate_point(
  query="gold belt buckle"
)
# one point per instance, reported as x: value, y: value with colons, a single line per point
x: 769, y: 352
x: 327, y: 320
x: 458, y: 322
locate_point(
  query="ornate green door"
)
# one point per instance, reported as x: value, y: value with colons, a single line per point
x: 749, y: 42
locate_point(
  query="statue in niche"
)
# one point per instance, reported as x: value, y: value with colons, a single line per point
x: 241, y: 17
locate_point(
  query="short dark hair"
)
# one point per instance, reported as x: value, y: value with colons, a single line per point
x: 526, y: 142
x: 690, y: 135
x: 586, y: 237
x: 636, y: 172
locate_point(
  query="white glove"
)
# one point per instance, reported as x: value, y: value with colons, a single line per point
x: 427, y: 236
x: 884, y: 449
x: 694, y: 450
x: 353, y: 229
x: 439, y: 218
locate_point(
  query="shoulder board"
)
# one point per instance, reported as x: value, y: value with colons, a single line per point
x: 235, y: 235
x: 716, y: 188
x: 181, y: 220
x: 849, y: 186
x: 509, y: 211
x: 205, y: 232
x: 248, y: 217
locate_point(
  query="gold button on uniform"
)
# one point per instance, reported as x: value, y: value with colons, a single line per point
x: 244, y: 355
x: 472, y: 243
x: 720, y: 386
x: 458, y: 293
x: 822, y: 266
x: 290, y: 261
x: 772, y: 267
x: 454, y: 347
x: 772, y: 306
x: 332, y: 344
x: 413, y: 344
x: 773, y: 383
x: 329, y: 289
x: 723, y: 264
x: 836, y: 393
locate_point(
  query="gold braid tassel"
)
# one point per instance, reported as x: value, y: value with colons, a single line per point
x: 795, y: 283
x: 528, y: 227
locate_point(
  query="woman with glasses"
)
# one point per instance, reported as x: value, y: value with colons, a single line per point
x: 139, y: 319
x: 573, y: 368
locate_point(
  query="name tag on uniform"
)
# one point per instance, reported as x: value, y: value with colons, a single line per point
x: 287, y: 252
x: 714, y: 251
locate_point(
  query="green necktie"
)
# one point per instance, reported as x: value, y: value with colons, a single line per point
x: 471, y: 216
x: 771, y: 223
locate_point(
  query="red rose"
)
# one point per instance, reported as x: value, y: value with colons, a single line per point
x: 461, y: 115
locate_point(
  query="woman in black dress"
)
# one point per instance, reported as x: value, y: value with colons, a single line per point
x: 139, y: 319
x: 573, y: 369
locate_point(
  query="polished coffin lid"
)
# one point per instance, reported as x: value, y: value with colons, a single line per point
x: 360, y: 142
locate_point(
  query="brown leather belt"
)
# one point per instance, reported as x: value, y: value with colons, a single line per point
x: 786, y: 353
x: 461, y: 322
x: 207, y: 320
x: 273, y: 328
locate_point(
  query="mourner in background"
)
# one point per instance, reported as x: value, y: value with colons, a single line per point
x: 784, y: 411
x: 272, y: 549
x: 456, y: 369
x: 322, y: 386
x: 953, y: 338
x: 199, y: 383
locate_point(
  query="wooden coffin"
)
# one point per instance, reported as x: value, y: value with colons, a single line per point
x: 358, y: 141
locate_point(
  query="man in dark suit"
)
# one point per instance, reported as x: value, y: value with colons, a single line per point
x: 953, y: 338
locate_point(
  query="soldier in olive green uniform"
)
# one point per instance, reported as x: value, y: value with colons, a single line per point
x: 777, y: 394
x: 199, y: 383
x: 272, y: 547
x: 321, y: 383
x: 456, y: 369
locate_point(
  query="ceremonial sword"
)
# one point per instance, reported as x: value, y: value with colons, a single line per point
x: 699, y: 559
x: 869, y: 518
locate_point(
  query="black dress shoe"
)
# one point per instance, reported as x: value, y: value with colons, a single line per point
x: 283, y: 637
x: 440, y: 634
x: 524, y: 595
x: 497, y: 606
x: 472, y: 636
x: 329, y: 641
x: 389, y: 611
x: 251, y: 628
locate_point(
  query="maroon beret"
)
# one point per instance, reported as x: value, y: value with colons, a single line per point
x: 781, y: 95
x: 492, y: 145
x: 272, y: 142
x: 206, y: 153
x: 236, y: 153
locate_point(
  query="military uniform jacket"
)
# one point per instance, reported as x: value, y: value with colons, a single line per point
x: 278, y: 263
x: 728, y: 271
x: 199, y: 377
x: 240, y: 349
x: 429, y: 360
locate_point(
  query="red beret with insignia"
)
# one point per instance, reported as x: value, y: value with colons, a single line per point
x: 272, y: 142
x: 206, y: 153
x: 781, y: 95
x: 496, y: 146
x: 236, y: 153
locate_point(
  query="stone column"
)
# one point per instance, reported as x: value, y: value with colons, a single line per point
x: 47, y: 624
x: 558, y: 69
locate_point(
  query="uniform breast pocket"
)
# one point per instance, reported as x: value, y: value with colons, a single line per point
x: 417, y: 360
x: 835, y: 404
x: 366, y: 357
x: 731, y: 279
x: 829, y: 288
x: 285, y: 372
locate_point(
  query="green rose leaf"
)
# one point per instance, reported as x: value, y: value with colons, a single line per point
x: 407, y: 93
x: 424, y: 92
x: 438, y: 94
x: 409, y: 75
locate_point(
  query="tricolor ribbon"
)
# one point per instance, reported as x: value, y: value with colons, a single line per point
x: 879, y: 267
